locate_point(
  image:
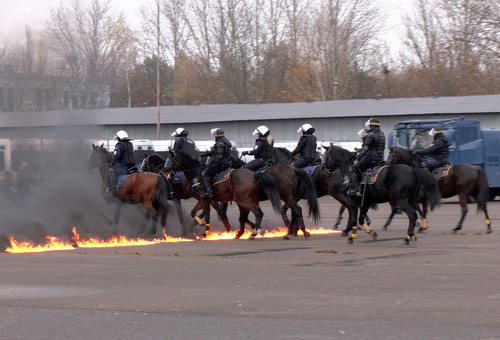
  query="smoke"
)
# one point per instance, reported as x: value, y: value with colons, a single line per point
x: 63, y: 193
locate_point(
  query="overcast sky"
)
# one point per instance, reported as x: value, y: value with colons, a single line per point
x: 16, y: 14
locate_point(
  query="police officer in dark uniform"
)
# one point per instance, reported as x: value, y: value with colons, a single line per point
x: 262, y: 150
x: 123, y: 157
x: 220, y: 159
x: 437, y: 152
x: 372, y: 153
x: 183, y: 146
x: 306, y: 147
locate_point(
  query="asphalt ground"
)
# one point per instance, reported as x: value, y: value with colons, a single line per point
x: 444, y: 287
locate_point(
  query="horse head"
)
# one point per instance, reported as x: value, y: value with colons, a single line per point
x: 336, y: 157
x: 282, y: 156
x: 399, y: 155
x: 152, y: 163
x: 99, y: 157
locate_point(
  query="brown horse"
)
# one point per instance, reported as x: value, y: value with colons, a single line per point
x: 242, y: 186
x: 462, y: 179
x: 182, y: 191
x: 143, y: 187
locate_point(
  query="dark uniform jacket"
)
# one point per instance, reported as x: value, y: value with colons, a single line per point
x: 185, y: 147
x: 373, y: 145
x: 263, y: 148
x: 306, y: 147
x: 124, y: 154
x: 221, y: 153
x: 438, y: 149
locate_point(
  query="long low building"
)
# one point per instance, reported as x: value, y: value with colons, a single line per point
x: 334, y: 120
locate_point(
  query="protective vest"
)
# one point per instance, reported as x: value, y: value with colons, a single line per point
x: 442, y: 151
x: 186, y: 146
x: 128, y: 152
x: 373, y: 145
x: 309, y: 150
x: 222, y: 150
x: 266, y: 150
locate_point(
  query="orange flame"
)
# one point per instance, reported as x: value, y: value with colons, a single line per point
x: 53, y: 243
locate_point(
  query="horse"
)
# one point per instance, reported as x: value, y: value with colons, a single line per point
x: 181, y: 190
x: 242, y: 186
x: 461, y: 179
x: 325, y: 182
x: 295, y: 184
x: 141, y: 187
x: 398, y: 184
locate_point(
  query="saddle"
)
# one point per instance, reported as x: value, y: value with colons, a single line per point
x: 442, y: 171
x: 221, y: 176
x: 122, y: 180
x: 264, y: 167
x: 309, y: 169
x: 371, y: 174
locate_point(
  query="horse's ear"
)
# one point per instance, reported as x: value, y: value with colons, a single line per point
x: 102, y: 146
x: 93, y: 145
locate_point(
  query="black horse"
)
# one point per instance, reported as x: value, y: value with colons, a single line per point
x: 461, y: 179
x: 397, y: 184
x: 325, y: 182
x: 181, y: 191
x: 242, y: 186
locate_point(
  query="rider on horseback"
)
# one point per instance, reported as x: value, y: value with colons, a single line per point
x: 123, y: 158
x: 183, y: 146
x: 220, y: 159
x: 262, y: 150
x: 372, y: 153
x: 306, y: 147
x: 437, y: 153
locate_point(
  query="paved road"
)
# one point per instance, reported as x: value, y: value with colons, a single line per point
x: 445, y: 287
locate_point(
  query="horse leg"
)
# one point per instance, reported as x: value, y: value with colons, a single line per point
x: 300, y: 220
x: 154, y: 222
x: 243, y: 219
x: 339, y: 217
x: 180, y: 216
x: 423, y: 215
x: 286, y: 221
x: 255, y: 209
x: 198, y: 219
x: 221, y: 209
x: 362, y: 222
x: 118, y: 212
x: 143, y: 224
x: 463, y: 207
x: 389, y: 220
x: 412, y: 218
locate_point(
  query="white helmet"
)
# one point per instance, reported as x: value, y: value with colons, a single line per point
x: 217, y: 132
x: 362, y: 133
x: 178, y: 132
x: 435, y: 131
x: 304, y: 128
x: 261, y: 130
x: 122, y: 134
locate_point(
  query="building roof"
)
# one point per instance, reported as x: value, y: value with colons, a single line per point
x: 251, y: 112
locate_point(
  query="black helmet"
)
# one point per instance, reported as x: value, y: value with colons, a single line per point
x: 371, y: 123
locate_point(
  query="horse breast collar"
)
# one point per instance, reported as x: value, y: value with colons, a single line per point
x: 371, y: 175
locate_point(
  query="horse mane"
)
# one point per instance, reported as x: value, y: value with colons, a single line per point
x: 340, y: 153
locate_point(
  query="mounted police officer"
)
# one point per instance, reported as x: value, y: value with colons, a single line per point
x: 183, y: 146
x: 372, y: 153
x: 262, y: 150
x: 306, y: 147
x: 123, y: 157
x: 437, y: 153
x: 220, y: 159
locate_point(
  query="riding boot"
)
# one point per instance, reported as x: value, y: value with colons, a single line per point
x: 354, y: 186
x: 207, y: 187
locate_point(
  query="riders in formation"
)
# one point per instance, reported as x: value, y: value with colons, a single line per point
x: 262, y: 150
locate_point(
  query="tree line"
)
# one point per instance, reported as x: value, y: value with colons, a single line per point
x: 248, y: 51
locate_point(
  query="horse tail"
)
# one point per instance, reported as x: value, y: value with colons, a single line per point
x: 271, y: 189
x: 484, y: 189
x: 307, y: 186
x: 427, y: 186
x: 160, y: 200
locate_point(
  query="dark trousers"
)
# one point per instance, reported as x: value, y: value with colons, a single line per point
x: 254, y: 164
x: 302, y: 162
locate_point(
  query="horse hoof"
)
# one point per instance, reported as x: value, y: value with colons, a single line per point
x: 286, y: 237
x: 373, y: 235
x: 238, y: 235
x: 252, y: 237
x: 261, y: 232
x: 488, y: 231
x: 344, y: 234
x: 307, y: 234
x: 385, y: 228
x: 350, y: 240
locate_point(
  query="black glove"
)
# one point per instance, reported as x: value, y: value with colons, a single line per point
x: 244, y: 153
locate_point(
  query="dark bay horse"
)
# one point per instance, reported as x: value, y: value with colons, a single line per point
x: 462, y: 179
x: 295, y: 184
x: 398, y: 184
x: 143, y: 187
x: 325, y: 182
x: 241, y: 186
x: 181, y: 191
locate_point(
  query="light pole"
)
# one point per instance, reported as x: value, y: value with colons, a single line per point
x: 334, y: 86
